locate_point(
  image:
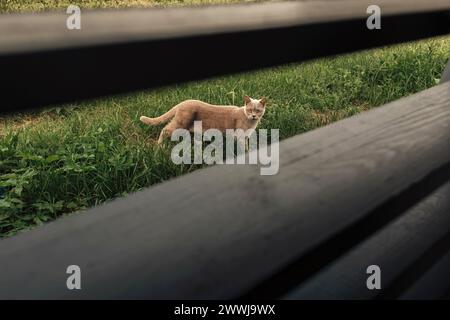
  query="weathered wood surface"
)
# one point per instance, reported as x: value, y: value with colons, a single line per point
x: 446, y: 74
x: 397, y: 249
x: 434, y: 284
x: 42, y: 62
x: 226, y: 231
x: 32, y: 32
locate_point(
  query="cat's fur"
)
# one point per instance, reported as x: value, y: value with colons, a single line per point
x: 183, y: 115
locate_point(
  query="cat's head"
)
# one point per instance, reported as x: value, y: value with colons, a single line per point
x: 254, y: 108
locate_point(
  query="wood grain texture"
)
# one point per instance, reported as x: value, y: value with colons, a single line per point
x: 44, y: 63
x: 218, y: 232
x: 395, y: 249
x: 446, y: 74
x: 434, y: 284
x: 32, y: 32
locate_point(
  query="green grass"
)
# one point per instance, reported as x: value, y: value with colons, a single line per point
x: 61, y: 160
x: 11, y: 6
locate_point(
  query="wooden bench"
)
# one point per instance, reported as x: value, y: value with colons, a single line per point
x: 370, y: 189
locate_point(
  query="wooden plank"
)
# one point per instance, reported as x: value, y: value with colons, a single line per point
x: 43, y: 62
x: 432, y: 285
x: 396, y: 249
x: 219, y: 232
x: 36, y: 32
x: 446, y: 74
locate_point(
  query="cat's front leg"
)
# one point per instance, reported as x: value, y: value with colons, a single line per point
x: 165, y: 132
x: 241, y: 143
x: 161, y: 137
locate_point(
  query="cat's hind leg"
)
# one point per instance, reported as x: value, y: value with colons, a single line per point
x: 167, y: 131
x: 162, y: 135
x: 182, y: 120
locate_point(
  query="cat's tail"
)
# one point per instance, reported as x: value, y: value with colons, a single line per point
x: 161, y: 119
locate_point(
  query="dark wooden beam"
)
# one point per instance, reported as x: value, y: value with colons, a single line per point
x: 404, y: 249
x: 446, y: 74
x: 42, y: 62
x: 434, y: 284
x: 227, y: 232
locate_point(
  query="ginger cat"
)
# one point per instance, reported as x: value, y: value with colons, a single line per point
x: 217, y: 117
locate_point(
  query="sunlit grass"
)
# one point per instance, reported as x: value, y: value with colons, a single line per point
x: 64, y: 159
x: 10, y: 6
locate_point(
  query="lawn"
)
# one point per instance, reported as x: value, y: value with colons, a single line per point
x: 11, y: 6
x: 60, y: 160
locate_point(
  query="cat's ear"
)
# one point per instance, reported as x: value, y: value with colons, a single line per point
x: 263, y: 101
x: 247, y: 99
